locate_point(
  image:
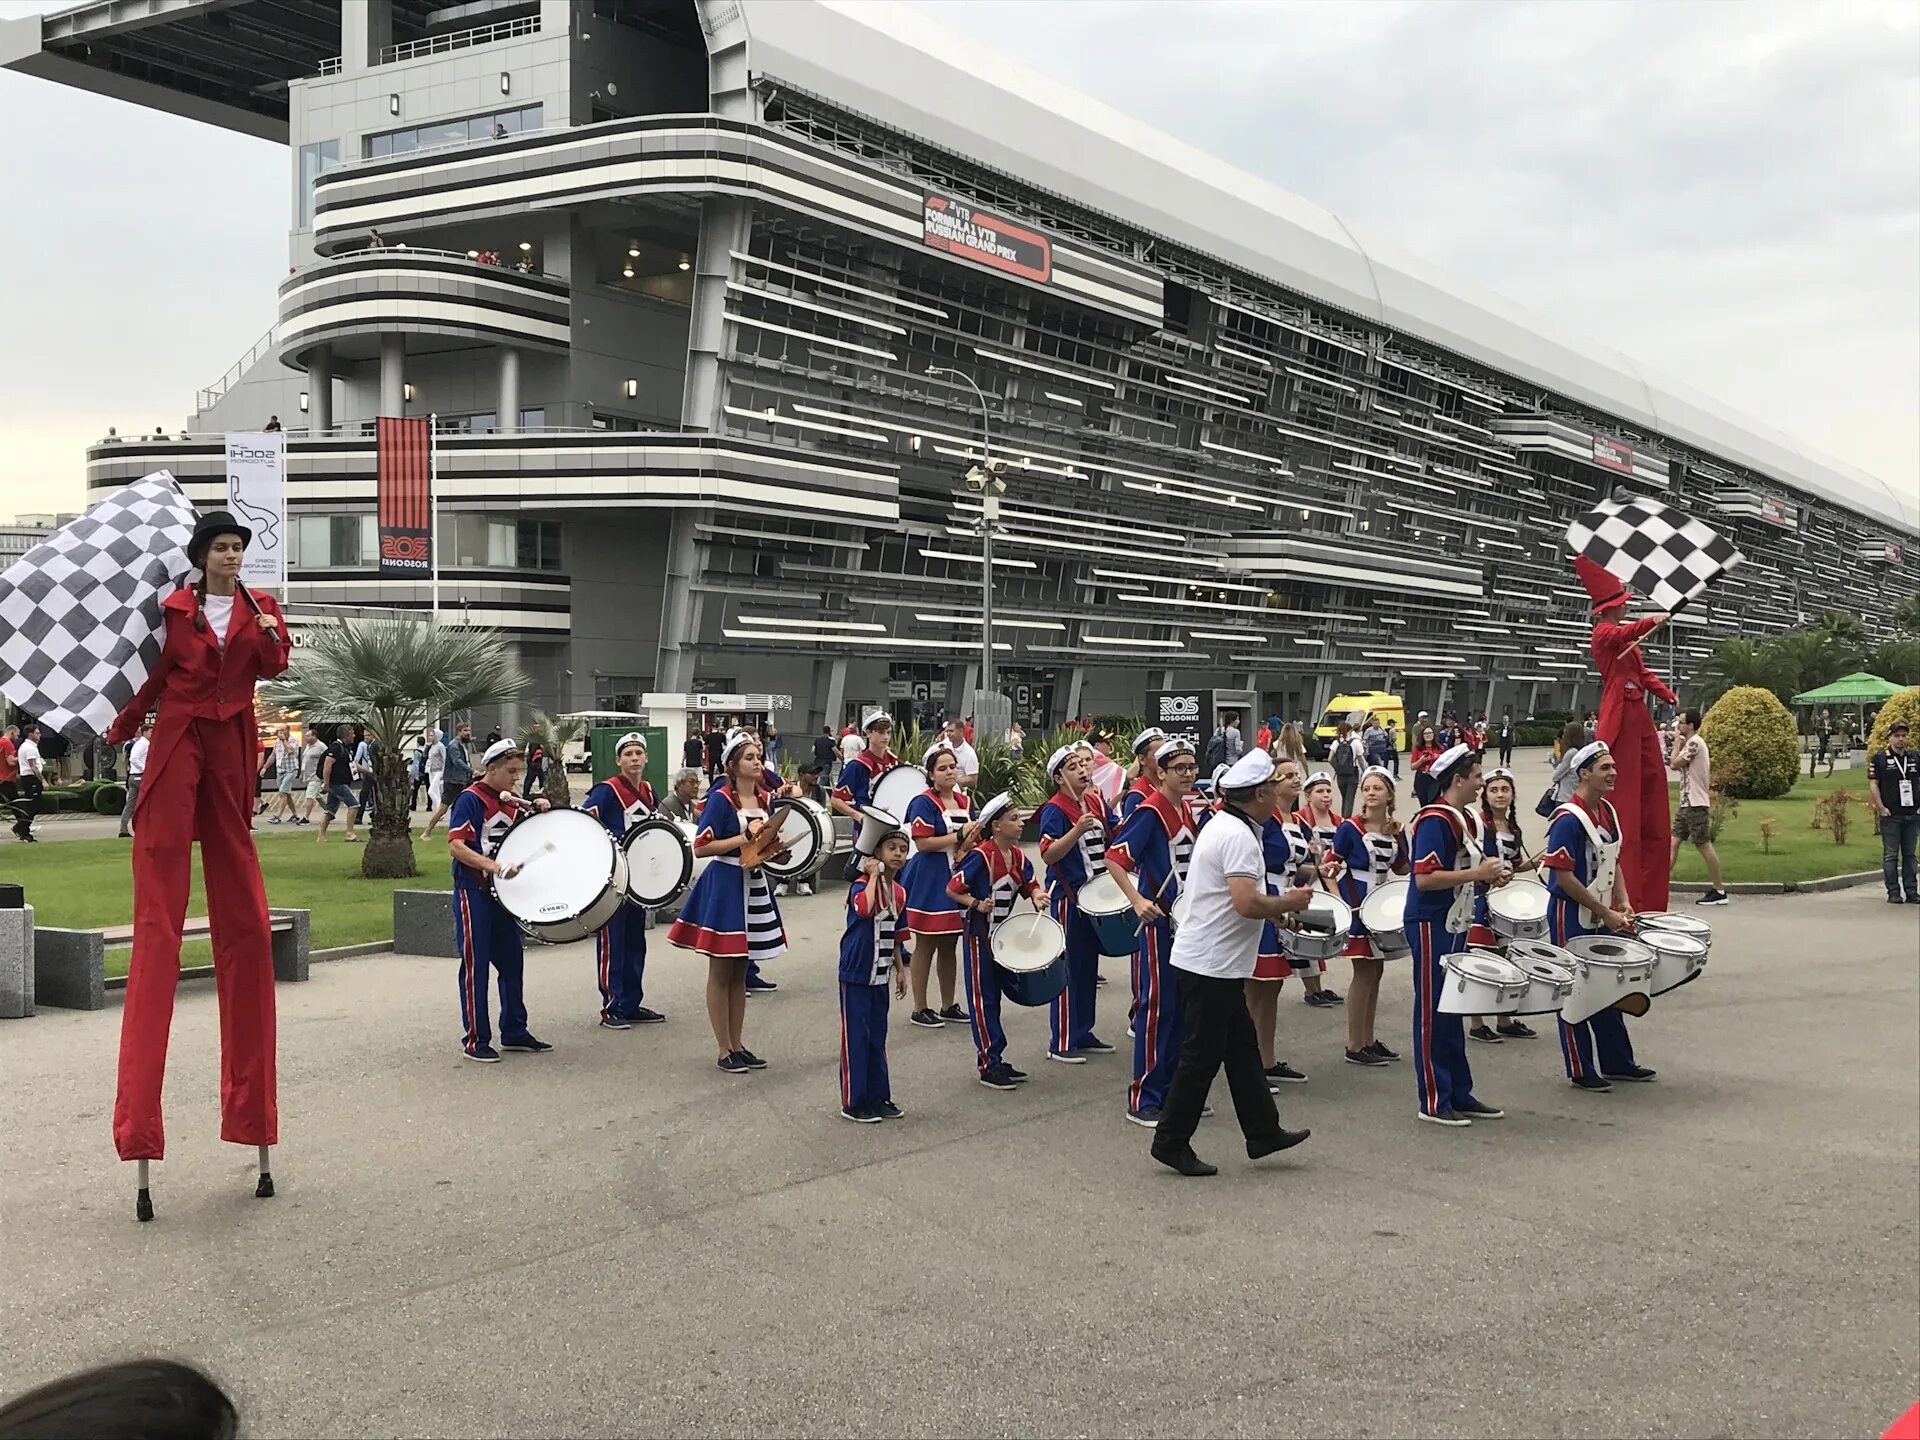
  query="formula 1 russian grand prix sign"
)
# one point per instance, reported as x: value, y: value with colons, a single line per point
x: 960, y: 229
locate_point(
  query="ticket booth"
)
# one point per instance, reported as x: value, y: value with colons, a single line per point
x: 681, y: 714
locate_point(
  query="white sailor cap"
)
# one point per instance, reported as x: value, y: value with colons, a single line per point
x: 1446, y: 761
x: 734, y: 741
x: 1322, y: 777
x: 1380, y: 770
x: 499, y: 750
x: 939, y: 747
x: 1499, y: 772
x: 1172, y: 748
x: 1252, y: 769
x: 1147, y: 737
x: 1218, y: 778
x: 1587, y: 754
x: 994, y: 809
x: 876, y: 717
x: 1063, y: 754
x: 632, y: 737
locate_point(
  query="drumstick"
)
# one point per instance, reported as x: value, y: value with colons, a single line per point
x: 541, y: 853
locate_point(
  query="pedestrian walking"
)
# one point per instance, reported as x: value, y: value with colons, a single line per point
x: 1346, y: 766
x: 1689, y: 758
x: 32, y: 783
x: 456, y: 774
x: 286, y: 778
x: 336, y: 783
x: 1894, y: 775
x: 136, y: 769
x: 9, y: 767
x: 366, y: 770
x: 825, y: 753
x: 1506, y: 737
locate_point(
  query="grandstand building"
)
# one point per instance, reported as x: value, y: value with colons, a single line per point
x: 672, y: 274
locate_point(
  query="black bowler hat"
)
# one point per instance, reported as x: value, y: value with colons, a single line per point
x: 215, y: 522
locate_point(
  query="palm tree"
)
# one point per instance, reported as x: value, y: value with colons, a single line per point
x: 394, y: 676
x: 1735, y: 663
x: 553, y: 736
x: 1906, y: 615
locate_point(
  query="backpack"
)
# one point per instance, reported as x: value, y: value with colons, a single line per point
x: 1343, y: 762
x: 1216, y: 751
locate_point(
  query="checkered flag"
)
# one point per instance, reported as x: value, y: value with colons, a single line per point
x: 1653, y: 549
x: 80, y: 623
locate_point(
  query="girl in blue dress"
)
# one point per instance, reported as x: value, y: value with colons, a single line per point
x: 1371, y: 846
x: 939, y: 822
x: 729, y: 916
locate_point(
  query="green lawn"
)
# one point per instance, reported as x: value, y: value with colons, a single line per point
x: 85, y: 883
x: 1798, y: 852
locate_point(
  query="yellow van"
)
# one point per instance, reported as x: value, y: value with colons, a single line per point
x: 1362, y: 703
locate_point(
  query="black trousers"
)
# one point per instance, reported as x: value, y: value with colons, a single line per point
x: 27, y: 803
x: 1219, y: 1031
x: 1506, y: 752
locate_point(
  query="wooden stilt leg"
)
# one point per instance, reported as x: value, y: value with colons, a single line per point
x: 143, y: 1203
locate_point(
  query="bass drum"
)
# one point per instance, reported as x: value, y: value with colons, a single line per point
x: 806, y: 829
x: 659, y: 862
x: 572, y: 880
x: 896, y: 789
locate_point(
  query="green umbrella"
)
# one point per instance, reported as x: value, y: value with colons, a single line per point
x: 1856, y: 689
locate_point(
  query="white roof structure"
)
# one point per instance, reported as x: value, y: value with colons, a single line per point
x: 894, y: 63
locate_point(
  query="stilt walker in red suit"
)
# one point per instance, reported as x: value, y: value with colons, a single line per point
x: 220, y: 638
x: 1640, y: 794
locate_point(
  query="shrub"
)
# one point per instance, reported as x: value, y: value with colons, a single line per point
x: 1904, y: 706
x: 1537, y: 732
x: 109, y: 799
x: 1756, y: 750
x: 1721, y: 807
x: 1769, y: 831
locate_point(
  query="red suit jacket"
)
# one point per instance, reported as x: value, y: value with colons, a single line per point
x: 1640, y: 789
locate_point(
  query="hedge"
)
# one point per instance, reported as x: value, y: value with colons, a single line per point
x: 1904, y: 706
x: 1754, y: 744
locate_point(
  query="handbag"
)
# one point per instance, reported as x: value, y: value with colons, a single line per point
x: 1546, y: 804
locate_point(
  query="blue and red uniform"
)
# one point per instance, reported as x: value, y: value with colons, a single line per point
x: 483, y: 931
x: 1366, y: 858
x: 855, y: 785
x: 1482, y: 936
x: 1436, y: 925
x: 1071, y: 1015
x: 870, y: 950
x: 1570, y: 852
x: 930, y: 908
x: 730, y: 912
x: 1146, y: 847
x: 1285, y: 847
x: 620, y: 946
x: 989, y: 872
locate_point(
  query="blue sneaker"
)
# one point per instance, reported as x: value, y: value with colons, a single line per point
x: 758, y: 986
x: 995, y: 1077
x: 1094, y: 1045
x: 485, y: 1054
x: 1149, y: 1116
x: 890, y: 1111
x: 732, y: 1064
x: 526, y: 1045
x: 615, y: 1022
x: 641, y: 1015
x: 860, y: 1114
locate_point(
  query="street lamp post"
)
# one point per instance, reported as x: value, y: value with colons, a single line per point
x: 985, y: 478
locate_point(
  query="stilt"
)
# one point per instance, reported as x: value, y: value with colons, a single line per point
x: 264, y: 1190
x: 143, y: 1203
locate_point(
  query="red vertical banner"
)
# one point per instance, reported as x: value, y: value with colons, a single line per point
x: 405, y: 497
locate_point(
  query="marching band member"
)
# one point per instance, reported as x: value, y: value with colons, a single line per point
x: 1074, y: 825
x: 1370, y: 846
x: 1589, y: 894
x: 482, y: 930
x: 1318, y: 822
x: 1142, y: 859
x: 730, y: 916
x: 1285, y: 848
x: 1146, y: 769
x: 1212, y: 956
x: 940, y: 825
x: 620, y: 948
x: 871, y: 953
x: 1447, y: 866
x: 220, y: 638
x: 1497, y: 832
x: 1105, y: 773
x: 853, y: 792
x: 991, y: 875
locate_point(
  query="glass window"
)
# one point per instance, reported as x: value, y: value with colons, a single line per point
x: 500, y: 544
x: 480, y: 424
x: 315, y: 160
x: 314, y: 552
x: 344, y: 547
x: 533, y: 419
x: 378, y: 145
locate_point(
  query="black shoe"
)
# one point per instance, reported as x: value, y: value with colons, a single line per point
x: 758, y: 986
x: 732, y: 1064
x: 1364, y: 1057
x: 485, y: 1054
x: 1149, y: 1117
x: 615, y: 1022
x: 1484, y: 1034
x: 750, y: 1060
x: 1067, y: 1057
x: 1713, y: 897
x: 1385, y: 1054
x: 641, y: 1015
x: 1184, y: 1161
x: 1093, y: 1045
x: 1913, y: 899
x: 1636, y: 1072
x: 1515, y: 1030
x: 1478, y: 1111
x: 1891, y: 899
x: 1320, y: 999
x: 1334, y: 997
x: 996, y: 1078
x: 1591, y: 1082
x: 1019, y: 1075
x: 526, y: 1045
x: 925, y: 1019
x: 1445, y: 1117
x: 1271, y: 1144
x: 860, y: 1115
x: 887, y: 1110
x: 1285, y: 1073
x: 954, y: 1015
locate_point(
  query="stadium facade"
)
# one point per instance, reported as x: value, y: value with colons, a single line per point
x: 672, y: 275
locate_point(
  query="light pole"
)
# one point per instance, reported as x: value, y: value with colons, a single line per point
x: 985, y: 479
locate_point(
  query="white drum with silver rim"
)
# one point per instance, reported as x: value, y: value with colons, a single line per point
x: 1384, y: 913
x: 1549, y: 973
x: 1479, y: 982
x: 572, y: 877
x: 1030, y: 949
x: 896, y: 789
x: 1609, y: 972
x: 1322, y: 932
x: 806, y: 829
x: 659, y: 856
x: 1687, y: 925
x: 1677, y: 957
x: 1518, y: 910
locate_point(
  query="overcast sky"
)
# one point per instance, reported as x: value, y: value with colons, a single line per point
x: 1729, y: 193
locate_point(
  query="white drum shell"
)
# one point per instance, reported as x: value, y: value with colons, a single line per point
x: 1384, y: 913
x: 1332, y: 922
x: 660, y: 864
x: 1478, y: 982
x: 1549, y: 983
x: 569, y: 892
x: 1518, y: 910
x: 1677, y: 958
x: 896, y: 789
x: 1606, y: 969
x: 807, y: 828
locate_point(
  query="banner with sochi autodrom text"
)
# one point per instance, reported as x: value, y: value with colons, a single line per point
x: 257, y: 495
x: 405, y: 497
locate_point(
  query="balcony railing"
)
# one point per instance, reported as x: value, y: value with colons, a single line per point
x: 206, y: 399
x: 328, y: 66
x: 461, y: 39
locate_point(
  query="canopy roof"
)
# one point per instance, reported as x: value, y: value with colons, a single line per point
x: 1858, y: 688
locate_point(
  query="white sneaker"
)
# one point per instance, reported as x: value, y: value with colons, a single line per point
x: 803, y: 890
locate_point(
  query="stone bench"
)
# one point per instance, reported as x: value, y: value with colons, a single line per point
x: 70, y: 966
x: 16, y: 963
x: 423, y: 923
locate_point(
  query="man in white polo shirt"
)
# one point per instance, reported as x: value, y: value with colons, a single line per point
x: 964, y: 755
x: 1214, y: 950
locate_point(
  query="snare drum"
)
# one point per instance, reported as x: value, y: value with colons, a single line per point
x: 894, y: 791
x: 806, y: 829
x: 1384, y: 913
x: 1518, y: 910
x: 1478, y: 982
x: 659, y: 862
x: 1609, y: 971
x: 573, y: 876
x: 1030, y: 949
x: 1686, y: 925
x: 1325, y: 926
x: 1105, y: 905
x: 1677, y: 957
x: 1549, y: 973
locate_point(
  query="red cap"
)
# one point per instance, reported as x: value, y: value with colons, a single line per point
x: 1603, y: 588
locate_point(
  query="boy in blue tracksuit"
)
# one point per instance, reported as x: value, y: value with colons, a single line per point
x: 872, y: 951
x: 483, y: 932
x: 986, y: 883
x: 1074, y: 825
x: 620, y: 948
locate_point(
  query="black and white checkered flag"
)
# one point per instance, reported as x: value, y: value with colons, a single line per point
x: 80, y: 622
x: 1653, y: 549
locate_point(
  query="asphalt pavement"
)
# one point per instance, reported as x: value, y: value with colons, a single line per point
x: 617, y: 1239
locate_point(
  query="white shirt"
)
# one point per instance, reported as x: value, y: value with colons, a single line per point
x: 1217, y: 939
x: 968, y: 760
x: 29, y: 757
x: 436, y: 762
x: 219, y: 611
x: 852, y: 745
x: 137, y: 758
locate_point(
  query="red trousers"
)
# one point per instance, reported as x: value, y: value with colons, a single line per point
x: 1640, y: 796
x: 199, y: 782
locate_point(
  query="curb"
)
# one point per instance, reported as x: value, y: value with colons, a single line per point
x: 337, y: 952
x: 1787, y: 887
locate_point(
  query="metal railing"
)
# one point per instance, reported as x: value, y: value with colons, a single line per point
x: 206, y: 399
x: 401, y: 247
x: 354, y: 160
x: 461, y: 39
x: 328, y: 66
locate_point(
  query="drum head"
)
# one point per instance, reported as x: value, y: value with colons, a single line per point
x: 1524, y: 951
x: 1519, y: 900
x: 1491, y: 968
x: 1674, y: 942
x: 659, y: 863
x: 1385, y: 907
x: 1551, y: 971
x: 894, y: 791
x: 1027, y: 942
x: 1610, y: 950
x: 569, y: 859
x: 1102, y: 896
x: 1677, y: 924
x: 805, y: 836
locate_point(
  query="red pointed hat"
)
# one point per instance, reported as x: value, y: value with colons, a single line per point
x: 1603, y: 588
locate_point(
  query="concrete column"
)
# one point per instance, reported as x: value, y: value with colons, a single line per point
x: 1076, y: 682
x: 366, y: 28
x: 725, y: 224
x: 679, y: 612
x: 834, y: 693
x: 507, y: 418
x: 1166, y: 681
x: 1488, y: 706
x: 1533, y: 697
x: 320, y: 388
x: 960, y: 697
x: 393, y: 372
